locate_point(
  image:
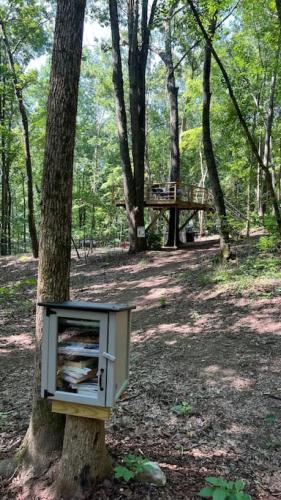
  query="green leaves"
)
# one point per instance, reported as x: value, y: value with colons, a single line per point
x: 220, y: 489
x: 181, y: 408
x: 123, y: 473
x: 132, y: 465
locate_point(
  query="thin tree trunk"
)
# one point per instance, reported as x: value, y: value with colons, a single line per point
x: 260, y: 180
x: 45, y: 433
x: 26, y: 143
x: 267, y: 157
x: 172, y: 89
x: 208, y: 145
x: 201, y: 214
x: 129, y: 185
x: 249, y: 193
x: 241, y: 118
x: 24, y: 213
x: 5, y: 169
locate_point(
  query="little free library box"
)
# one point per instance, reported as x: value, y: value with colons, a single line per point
x: 85, y: 356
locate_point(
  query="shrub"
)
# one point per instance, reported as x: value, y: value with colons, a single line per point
x: 154, y: 241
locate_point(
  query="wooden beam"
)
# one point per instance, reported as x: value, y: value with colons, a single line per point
x: 79, y: 410
x: 155, y: 219
x: 188, y: 219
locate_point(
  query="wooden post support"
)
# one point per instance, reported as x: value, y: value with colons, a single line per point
x: 79, y: 410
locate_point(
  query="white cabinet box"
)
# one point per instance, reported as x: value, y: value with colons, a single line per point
x: 85, y: 352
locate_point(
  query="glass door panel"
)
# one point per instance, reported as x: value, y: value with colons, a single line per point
x: 78, y: 349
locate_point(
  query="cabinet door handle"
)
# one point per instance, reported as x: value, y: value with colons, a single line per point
x: 100, y: 379
x: 109, y: 356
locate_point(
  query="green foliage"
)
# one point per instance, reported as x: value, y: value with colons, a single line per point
x: 29, y: 282
x: 220, y: 489
x: 3, y: 419
x: 163, y: 301
x: 270, y: 419
x: 154, y: 240
x: 236, y: 227
x: 269, y: 223
x: 181, y: 408
x: 249, y: 271
x: 5, y: 293
x: 9, y: 292
x: 132, y: 466
x: 269, y: 243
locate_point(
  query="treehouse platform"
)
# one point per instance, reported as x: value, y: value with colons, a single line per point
x: 166, y: 195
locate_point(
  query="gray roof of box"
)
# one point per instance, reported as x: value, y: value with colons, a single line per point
x: 86, y: 306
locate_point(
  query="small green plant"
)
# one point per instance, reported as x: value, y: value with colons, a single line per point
x: 181, y: 408
x: 268, y: 243
x: 132, y: 466
x: 29, y: 282
x: 143, y: 262
x: 5, y: 293
x: 162, y: 301
x: 3, y: 418
x: 220, y: 489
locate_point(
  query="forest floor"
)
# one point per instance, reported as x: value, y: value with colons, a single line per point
x: 200, y: 335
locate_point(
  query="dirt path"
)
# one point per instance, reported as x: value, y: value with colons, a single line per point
x: 218, y: 352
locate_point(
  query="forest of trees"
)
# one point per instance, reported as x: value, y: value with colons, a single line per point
x: 164, y: 77
x: 98, y: 101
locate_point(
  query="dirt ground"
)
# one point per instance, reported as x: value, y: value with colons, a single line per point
x: 191, y: 342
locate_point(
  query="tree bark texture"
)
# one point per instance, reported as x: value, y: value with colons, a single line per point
x: 26, y: 142
x: 133, y: 172
x: 84, y: 457
x: 208, y: 145
x: 45, y: 433
x: 243, y: 123
x: 172, y: 89
x: 5, y: 181
x: 121, y: 119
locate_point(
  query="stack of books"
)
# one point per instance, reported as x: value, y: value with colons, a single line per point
x: 78, y: 349
x: 76, y: 375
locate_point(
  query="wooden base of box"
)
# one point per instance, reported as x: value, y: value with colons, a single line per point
x: 79, y: 410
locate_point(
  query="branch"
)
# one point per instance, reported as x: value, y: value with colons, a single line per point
x: 229, y: 14
x: 159, y: 53
x: 228, y: 84
x: 185, y: 54
x: 152, y: 14
x: 177, y: 12
x: 242, y: 120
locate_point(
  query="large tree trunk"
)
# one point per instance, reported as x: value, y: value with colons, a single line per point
x: 26, y: 142
x: 84, y: 457
x: 208, y: 145
x: 241, y: 118
x: 45, y: 433
x: 137, y: 61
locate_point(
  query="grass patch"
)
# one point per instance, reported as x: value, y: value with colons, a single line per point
x: 10, y: 291
x: 252, y: 270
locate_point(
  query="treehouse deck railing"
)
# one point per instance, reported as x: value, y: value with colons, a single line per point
x: 173, y: 192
